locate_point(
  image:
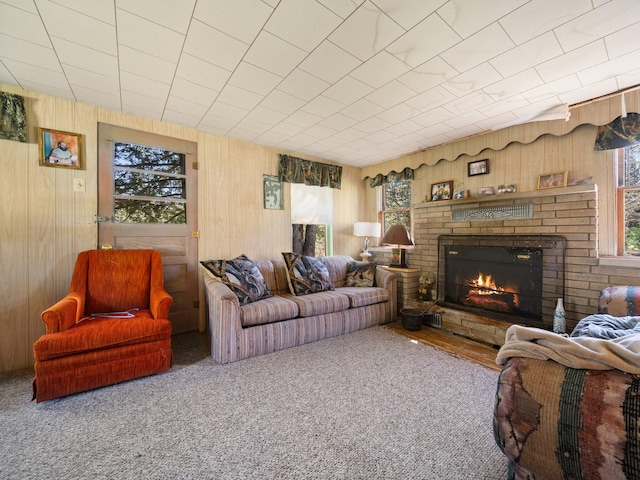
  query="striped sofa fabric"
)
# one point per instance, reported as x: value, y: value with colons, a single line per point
x: 285, y: 320
x: 555, y: 422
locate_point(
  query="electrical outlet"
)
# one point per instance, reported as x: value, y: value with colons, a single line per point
x: 78, y: 185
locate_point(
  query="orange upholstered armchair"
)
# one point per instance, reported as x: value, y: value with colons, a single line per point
x: 112, y: 326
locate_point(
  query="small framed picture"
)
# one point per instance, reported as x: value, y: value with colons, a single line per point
x: 272, y: 190
x: 485, y: 191
x: 506, y: 188
x: 552, y: 180
x: 479, y: 167
x: 458, y: 194
x: 441, y: 191
x: 60, y: 149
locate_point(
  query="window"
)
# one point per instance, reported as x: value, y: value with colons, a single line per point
x: 629, y: 200
x: 396, y: 204
x: 311, y: 216
x: 149, y: 185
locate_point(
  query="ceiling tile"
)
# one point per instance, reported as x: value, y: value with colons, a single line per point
x: 213, y: 46
x: 185, y: 107
x: 241, y: 19
x: 408, y: 14
x: 430, y: 99
x: 254, y: 79
x: 146, y: 65
x: 398, y: 113
x: 391, y: 94
x: 503, y: 106
x: 144, y: 86
x: 303, y: 119
x: 223, y: 110
x: 539, y: 16
x: 623, y: 41
x: 340, y: 7
x: 480, y: 47
x: 94, y: 97
x: 599, y: 22
x: 304, y: 23
x: 282, y: 102
x: 46, y: 88
x: 403, y: 128
x: 148, y: 37
x: 466, y: 17
x: 362, y: 110
x: 603, y: 71
x: 197, y: 94
x: 526, y: 55
x: 574, y: 61
x: 323, y: 106
x: 433, y: 117
x: 172, y: 14
x: 98, y: 9
x: 469, y: 103
x: 202, y: 73
x: 88, y: 79
x: 592, y: 91
x: 18, y: 23
x: 79, y: 28
x: 348, y: 90
x: 339, y: 122
x: 429, y: 38
x: 371, y: 125
x: 134, y: 102
x: 266, y: 115
x: 302, y: 85
x: 472, y: 80
x: 34, y: 73
x: 273, y: 54
x: 380, y: 69
x: 428, y: 75
x: 329, y: 62
x: 181, y: 118
x: 627, y: 80
x: 239, y: 97
x: 6, y: 77
x: 551, y: 89
x: 366, y: 32
x: 71, y: 53
x: 26, y: 52
x: 513, y: 85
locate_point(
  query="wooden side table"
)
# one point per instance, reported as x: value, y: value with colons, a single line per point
x: 407, y: 285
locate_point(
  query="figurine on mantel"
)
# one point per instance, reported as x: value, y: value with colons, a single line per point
x: 424, y: 290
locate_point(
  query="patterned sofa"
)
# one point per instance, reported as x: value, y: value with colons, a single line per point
x: 281, y: 320
x: 569, y: 407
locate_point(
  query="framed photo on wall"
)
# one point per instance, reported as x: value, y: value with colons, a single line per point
x: 441, y: 191
x: 60, y: 149
x: 479, y: 167
x: 272, y: 191
x: 552, y: 180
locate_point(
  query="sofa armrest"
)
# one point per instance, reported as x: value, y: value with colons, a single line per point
x: 63, y: 314
x: 389, y: 281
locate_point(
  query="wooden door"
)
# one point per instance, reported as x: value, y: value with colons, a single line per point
x: 147, y: 198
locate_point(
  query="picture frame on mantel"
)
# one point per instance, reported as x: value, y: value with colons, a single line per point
x: 60, y: 149
x: 552, y: 180
x: 479, y: 167
x: 441, y: 191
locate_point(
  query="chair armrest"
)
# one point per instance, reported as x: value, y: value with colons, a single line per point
x: 64, y: 314
x: 159, y: 303
x: 620, y: 300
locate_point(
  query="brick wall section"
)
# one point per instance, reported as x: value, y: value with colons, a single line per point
x: 571, y: 212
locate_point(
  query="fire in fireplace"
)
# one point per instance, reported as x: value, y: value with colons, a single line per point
x: 514, y: 278
x: 499, y: 279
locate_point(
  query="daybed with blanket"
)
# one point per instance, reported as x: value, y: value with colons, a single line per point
x: 261, y: 306
x: 569, y: 407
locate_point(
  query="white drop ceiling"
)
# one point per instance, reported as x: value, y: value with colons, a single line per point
x: 351, y: 81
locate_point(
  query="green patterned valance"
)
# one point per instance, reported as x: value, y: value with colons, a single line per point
x: 406, y: 174
x: 297, y: 170
x: 622, y: 132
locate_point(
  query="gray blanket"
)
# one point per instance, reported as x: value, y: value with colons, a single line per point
x: 606, y: 326
x: 621, y: 353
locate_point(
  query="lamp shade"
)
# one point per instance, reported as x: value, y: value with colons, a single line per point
x: 366, y: 229
x: 397, y: 235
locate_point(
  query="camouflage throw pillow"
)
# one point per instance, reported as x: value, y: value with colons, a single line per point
x: 306, y: 274
x: 241, y: 276
x: 361, y: 274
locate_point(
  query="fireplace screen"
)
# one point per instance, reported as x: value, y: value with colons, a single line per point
x: 499, y: 279
x: 515, y: 278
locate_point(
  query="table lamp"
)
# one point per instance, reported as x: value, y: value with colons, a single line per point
x: 397, y: 235
x: 366, y: 230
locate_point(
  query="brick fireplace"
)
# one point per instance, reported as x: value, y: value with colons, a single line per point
x: 567, y: 213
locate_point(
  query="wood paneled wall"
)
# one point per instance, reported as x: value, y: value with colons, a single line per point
x: 44, y: 224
